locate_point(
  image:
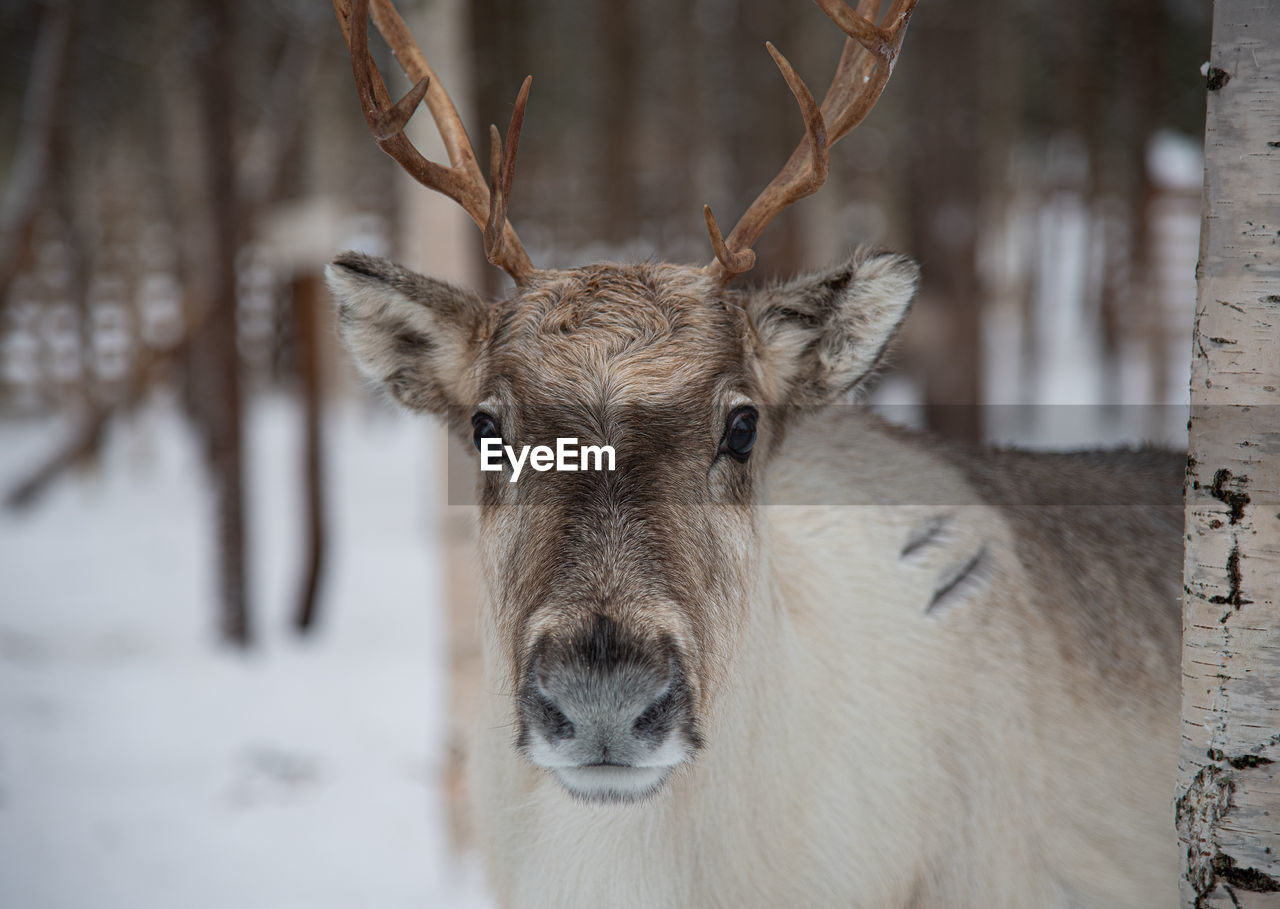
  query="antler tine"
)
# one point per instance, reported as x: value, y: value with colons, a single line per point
x: 733, y: 263
x: 395, y: 119
x: 798, y: 179
x: 864, y: 69
x: 867, y: 61
x: 382, y: 116
x: 815, y: 126
x: 502, y: 171
x: 462, y: 181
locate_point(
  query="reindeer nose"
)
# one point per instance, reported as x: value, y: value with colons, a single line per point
x: 602, y: 696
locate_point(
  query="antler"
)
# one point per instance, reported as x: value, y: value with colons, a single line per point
x: 864, y: 69
x: 462, y: 181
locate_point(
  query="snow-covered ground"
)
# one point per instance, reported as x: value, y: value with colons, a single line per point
x: 142, y: 766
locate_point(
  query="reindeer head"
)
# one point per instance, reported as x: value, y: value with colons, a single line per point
x: 615, y: 596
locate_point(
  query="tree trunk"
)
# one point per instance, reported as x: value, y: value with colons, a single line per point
x: 41, y: 111
x: 216, y: 361
x: 1228, y: 807
x: 620, y: 204
x: 945, y: 191
x: 307, y: 298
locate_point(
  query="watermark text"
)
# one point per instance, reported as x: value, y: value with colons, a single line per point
x: 568, y: 456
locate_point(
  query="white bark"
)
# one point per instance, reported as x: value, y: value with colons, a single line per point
x: 1228, y: 806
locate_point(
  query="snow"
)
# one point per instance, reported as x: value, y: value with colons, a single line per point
x: 140, y: 764
x: 1176, y: 161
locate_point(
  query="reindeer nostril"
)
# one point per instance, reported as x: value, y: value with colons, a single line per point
x: 655, y: 722
x: 552, y: 720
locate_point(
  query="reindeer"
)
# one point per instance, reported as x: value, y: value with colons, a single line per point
x: 785, y: 654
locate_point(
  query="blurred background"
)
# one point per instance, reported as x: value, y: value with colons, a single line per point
x: 235, y: 604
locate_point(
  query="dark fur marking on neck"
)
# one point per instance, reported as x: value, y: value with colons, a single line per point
x: 930, y: 532
x: 972, y: 569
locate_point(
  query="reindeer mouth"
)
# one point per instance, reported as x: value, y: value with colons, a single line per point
x: 609, y: 783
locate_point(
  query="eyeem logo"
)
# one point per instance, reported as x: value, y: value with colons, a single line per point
x: 566, y: 456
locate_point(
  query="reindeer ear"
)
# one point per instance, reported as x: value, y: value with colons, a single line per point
x: 819, y: 336
x: 415, y: 336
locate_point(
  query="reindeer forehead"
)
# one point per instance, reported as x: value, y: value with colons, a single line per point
x: 609, y: 332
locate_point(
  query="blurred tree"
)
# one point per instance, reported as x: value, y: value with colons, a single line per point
x: 945, y: 188
x: 42, y: 107
x: 215, y: 361
x: 175, y: 116
x: 620, y: 127
x: 308, y: 296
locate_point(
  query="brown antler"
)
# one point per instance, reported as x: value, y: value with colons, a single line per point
x: 462, y: 181
x: 865, y: 66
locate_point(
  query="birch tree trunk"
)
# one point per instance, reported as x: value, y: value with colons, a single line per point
x: 1228, y: 806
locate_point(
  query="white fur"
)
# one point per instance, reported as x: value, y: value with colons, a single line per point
x: 612, y: 781
x: 865, y: 753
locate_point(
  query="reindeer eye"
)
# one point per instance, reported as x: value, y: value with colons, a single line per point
x: 485, y: 427
x: 739, y: 433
